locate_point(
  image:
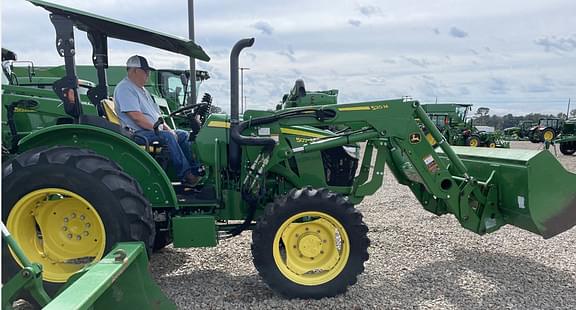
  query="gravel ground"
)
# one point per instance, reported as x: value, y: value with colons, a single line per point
x: 417, y: 261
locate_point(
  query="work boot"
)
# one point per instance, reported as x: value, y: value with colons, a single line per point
x: 191, y: 180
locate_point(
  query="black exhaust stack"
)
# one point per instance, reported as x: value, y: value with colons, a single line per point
x: 234, y: 147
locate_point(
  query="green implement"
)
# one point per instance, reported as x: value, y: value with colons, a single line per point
x: 119, y: 281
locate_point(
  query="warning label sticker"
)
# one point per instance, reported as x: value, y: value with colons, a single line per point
x: 431, y: 163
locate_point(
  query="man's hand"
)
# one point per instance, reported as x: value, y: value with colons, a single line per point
x: 165, y: 127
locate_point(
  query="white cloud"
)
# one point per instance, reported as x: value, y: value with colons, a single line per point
x: 368, y: 50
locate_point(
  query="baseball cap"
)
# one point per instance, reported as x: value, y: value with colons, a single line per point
x: 138, y: 61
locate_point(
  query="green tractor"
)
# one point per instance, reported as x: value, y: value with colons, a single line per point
x: 453, y: 121
x: 546, y: 130
x: 72, y: 192
x: 520, y: 132
x: 567, y: 137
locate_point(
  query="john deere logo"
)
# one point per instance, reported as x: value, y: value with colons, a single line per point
x: 415, y: 138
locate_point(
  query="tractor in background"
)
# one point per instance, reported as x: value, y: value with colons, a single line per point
x: 453, y: 120
x: 567, y: 137
x: 28, y: 105
x: 74, y: 192
x: 519, y: 132
x: 546, y: 130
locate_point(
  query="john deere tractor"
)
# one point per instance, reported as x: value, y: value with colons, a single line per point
x: 567, y: 137
x: 453, y: 121
x: 519, y: 132
x: 73, y: 191
x: 546, y: 130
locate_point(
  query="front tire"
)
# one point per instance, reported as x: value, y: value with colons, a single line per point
x: 473, y: 141
x: 568, y: 148
x: 67, y: 207
x: 311, y: 243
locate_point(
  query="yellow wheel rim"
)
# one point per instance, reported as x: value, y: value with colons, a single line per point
x: 59, y: 230
x: 311, y: 248
x: 474, y: 142
x: 548, y: 135
x: 492, y: 145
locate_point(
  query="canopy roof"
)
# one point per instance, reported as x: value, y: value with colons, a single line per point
x: 89, y: 22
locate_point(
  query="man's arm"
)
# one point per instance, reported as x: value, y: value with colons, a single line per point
x: 140, y: 120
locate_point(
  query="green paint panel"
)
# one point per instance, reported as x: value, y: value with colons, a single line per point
x: 121, y: 280
x: 535, y: 192
x: 194, y: 231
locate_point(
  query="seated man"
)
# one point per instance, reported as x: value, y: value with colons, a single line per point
x: 139, y: 112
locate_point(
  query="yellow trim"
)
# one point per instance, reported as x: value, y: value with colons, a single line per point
x: 313, y: 254
x: 492, y: 145
x: 54, y: 226
x: 290, y: 131
x: 219, y: 124
x: 362, y: 108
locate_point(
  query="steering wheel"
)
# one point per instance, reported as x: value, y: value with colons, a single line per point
x: 185, y: 110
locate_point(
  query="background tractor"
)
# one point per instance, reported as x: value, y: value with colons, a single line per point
x: 520, y: 132
x: 458, y: 129
x: 71, y: 192
x: 546, y: 130
x: 29, y: 103
x: 567, y: 137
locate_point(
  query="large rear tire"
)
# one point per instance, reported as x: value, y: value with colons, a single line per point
x: 67, y: 207
x: 311, y: 243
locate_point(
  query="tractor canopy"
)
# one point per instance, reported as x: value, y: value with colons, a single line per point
x: 108, y: 27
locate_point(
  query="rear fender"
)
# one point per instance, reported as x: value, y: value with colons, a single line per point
x: 134, y: 161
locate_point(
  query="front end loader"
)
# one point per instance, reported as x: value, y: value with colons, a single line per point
x: 75, y: 190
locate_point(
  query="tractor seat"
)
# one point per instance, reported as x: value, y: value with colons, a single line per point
x: 152, y: 147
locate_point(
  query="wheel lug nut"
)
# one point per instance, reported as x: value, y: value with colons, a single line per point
x: 82, y: 217
x: 321, y: 252
x: 306, y: 228
x: 87, y: 225
x: 73, y: 215
x: 78, y: 237
x: 65, y: 220
x: 85, y: 233
x: 294, y: 246
x: 64, y: 228
x: 69, y: 236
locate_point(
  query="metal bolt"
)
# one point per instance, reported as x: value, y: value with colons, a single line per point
x: 297, y: 235
x: 294, y: 246
x: 324, y: 241
x: 71, y: 41
x: 318, y: 231
x: 82, y: 217
x: 25, y: 273
x: 73, y: 215
x: 311, y: 258
x: 301, y: 255
x: 65, y: 220
x: 69, y: 236
x: 321, y: 252
x: 87, y: 225
x: 72, y: 51
x: 85, y: 233
x: 61, y: 51
x: 78, y: 237
x: 306, y: 228
x: 64, y: 228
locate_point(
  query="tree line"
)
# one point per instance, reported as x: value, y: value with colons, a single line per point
x: 482, y: 118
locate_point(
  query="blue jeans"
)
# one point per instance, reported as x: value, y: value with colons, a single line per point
x: 180, y: 154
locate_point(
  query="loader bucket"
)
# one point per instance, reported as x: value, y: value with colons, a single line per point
x: 121, y: 280
x: 535, y: 191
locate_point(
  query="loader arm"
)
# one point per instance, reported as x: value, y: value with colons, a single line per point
x: 500, y: 191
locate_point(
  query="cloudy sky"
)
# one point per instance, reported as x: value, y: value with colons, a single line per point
x: 513, y: 56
